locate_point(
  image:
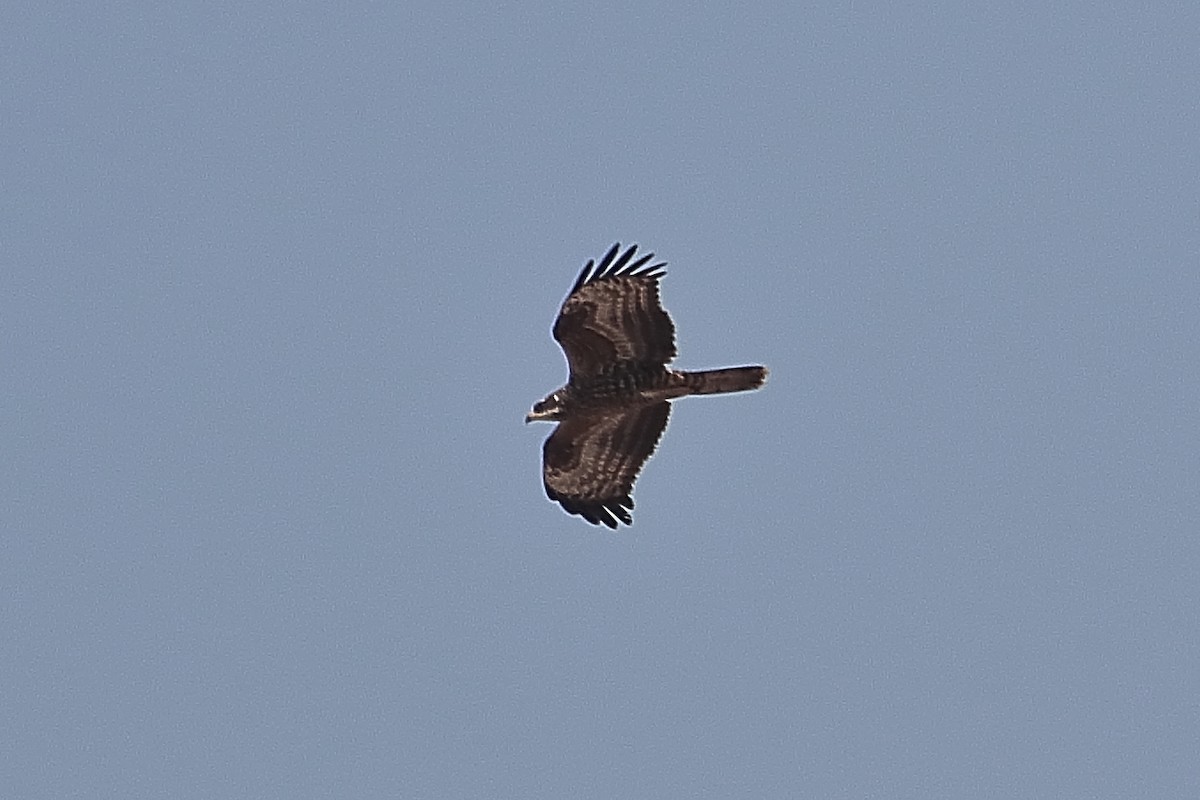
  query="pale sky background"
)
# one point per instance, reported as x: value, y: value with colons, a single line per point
x: 276, y: 290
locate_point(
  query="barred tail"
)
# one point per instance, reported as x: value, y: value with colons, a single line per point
x: 721, y: 381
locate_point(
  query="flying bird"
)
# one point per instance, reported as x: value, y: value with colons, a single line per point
x: 618, y: 340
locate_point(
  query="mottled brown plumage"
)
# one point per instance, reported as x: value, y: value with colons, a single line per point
x: 618, y: 341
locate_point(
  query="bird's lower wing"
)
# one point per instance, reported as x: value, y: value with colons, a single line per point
x: 590, y: 463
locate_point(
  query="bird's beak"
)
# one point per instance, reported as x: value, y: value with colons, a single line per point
x: 528, y: 418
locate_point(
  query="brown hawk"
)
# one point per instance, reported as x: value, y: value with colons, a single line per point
x: 618, y: 341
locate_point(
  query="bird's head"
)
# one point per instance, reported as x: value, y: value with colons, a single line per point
x: 548, y: 409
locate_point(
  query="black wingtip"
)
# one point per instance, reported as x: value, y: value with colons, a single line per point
x: 609, y: 513
x: 612, y: 266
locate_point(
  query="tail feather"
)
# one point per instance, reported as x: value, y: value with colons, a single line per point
x: 721, y: 381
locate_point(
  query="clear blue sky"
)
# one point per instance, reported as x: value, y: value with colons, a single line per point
x: 276, y: 291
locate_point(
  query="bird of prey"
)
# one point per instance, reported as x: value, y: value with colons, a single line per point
x: 618, y: 340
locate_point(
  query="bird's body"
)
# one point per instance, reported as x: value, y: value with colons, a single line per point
x: 618, y: 340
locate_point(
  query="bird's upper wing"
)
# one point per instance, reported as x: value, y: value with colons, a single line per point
x: 613, y: 313
x: 589, y: 463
